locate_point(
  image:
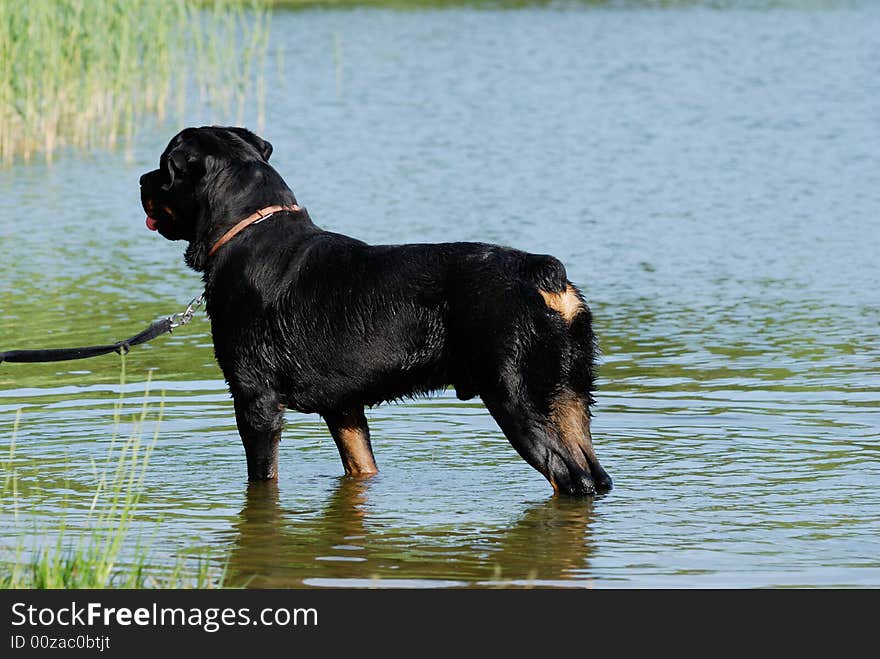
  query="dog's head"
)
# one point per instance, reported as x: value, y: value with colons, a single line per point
x: 206, y: 174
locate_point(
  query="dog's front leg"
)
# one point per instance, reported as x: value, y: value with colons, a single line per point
x: 352, y: 436
x: 260, y: 419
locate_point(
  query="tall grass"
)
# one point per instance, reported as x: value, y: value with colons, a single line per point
x: 85, y: 73
x: 100, y: 554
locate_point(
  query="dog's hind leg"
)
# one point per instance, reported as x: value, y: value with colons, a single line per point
x: 538, y: 389
x: 537, y: 438
x: 571, y: 420
x: 352, y: 436
x: 260, y: 419
x: 571, y: 405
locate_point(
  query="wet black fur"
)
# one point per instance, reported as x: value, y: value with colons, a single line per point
x: 316, y: 321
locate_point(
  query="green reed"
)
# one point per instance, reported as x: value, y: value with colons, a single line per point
x: 93, y: 557
x: 86, y: 73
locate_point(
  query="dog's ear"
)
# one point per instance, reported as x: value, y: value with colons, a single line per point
x: 176, y: 165
x: 261, y: 145
x: 180, y: 165
x: 266, y: 149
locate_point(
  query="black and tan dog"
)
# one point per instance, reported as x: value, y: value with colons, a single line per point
x: 316, y: 321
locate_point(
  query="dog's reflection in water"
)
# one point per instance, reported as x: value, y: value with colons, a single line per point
x: 549, y: 545
x: 278, y: 548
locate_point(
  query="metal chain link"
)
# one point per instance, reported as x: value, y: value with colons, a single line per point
x: 183, y: 317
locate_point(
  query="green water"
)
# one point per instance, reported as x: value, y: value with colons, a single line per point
x: 709, y: 176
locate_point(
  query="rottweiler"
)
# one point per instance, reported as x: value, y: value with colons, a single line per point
x: 319, y: 322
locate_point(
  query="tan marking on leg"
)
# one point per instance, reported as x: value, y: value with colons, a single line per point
x: 566, y: 304
x: 352, y: 436
x: 569, y: 415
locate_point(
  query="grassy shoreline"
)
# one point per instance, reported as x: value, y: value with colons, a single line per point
x: 85, y: 75
x: 103, y: 554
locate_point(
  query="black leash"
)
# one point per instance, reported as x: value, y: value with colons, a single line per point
x: 157, y: 328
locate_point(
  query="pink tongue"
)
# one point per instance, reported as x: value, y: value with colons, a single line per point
x: 151, y: 223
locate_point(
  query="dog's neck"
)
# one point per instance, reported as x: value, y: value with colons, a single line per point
x: 258, y: 187
x: 254, y: 218
x: 201, y: 254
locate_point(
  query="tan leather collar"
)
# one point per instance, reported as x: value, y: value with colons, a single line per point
x: 258, y: 216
